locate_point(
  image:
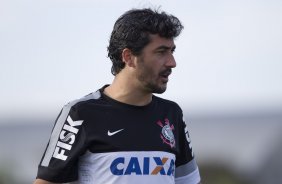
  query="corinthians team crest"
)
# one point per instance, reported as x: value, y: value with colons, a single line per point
x: 167, y: 133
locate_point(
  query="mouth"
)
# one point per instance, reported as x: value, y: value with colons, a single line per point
x: 165, y: 74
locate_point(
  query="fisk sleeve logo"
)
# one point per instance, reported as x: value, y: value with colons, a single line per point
x: 67, y: 138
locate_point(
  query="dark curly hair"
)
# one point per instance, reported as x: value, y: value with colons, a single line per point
x: 132, y: 30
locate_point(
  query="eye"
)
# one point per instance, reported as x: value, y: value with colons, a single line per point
x: 161, y: 51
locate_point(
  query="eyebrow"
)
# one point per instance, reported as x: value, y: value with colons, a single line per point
x: 163, y: 47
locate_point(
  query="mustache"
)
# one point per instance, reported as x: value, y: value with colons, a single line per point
x: 166, y: 72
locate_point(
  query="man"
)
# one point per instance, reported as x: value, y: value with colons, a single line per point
x: 122, y: 133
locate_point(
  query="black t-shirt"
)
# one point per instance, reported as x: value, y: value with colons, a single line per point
x: 99, y: 140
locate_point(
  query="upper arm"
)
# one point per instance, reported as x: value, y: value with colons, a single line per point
x: 186, y: 167
x: 67, y: 142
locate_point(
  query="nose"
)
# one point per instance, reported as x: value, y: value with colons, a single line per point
x: 171, y: 63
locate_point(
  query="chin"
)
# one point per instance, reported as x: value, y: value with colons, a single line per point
x: 159, y: 90
x: 154, y: 88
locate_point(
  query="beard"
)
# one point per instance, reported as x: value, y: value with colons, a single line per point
x: 153, y: 88
x: 152, y: 82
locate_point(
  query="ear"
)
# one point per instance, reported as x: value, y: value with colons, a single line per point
x: 128, y: 57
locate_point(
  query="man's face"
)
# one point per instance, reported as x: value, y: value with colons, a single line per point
x: 155, y: 63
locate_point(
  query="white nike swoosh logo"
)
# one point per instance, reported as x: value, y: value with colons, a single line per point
x: 115, y: 132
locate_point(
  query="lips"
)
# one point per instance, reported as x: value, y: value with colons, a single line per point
x: 165, y: 74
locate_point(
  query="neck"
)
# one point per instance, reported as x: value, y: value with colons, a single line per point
x: 126, y: 91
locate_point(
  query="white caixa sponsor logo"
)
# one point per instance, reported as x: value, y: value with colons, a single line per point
x: 67, y: 138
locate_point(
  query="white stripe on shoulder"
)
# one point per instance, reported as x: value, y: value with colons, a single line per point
x: 192, y: 178
x: 59, y: 125
x: 186, y: 169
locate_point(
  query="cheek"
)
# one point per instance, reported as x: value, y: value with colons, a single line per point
x: 152, y: 72
x: 148, y: 70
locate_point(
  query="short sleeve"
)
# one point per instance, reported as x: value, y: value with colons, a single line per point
x: 186, y: 171
x: 67, y: 142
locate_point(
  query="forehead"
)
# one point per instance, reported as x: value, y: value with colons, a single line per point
x: 156, y: 41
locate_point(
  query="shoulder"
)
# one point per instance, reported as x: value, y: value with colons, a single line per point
x: 167, y: 103
x: 81, y: 102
